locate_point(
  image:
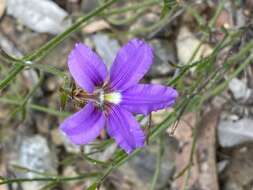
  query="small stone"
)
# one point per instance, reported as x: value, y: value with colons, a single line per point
x: 232, y: 133
x: 2, y: 7
x: 164, y: 55
x: 106, y: 47
x: 239, y: 89
x: 88, y: 5
x: 40, y: 16
x: 187, y: 44
x: 142, y: 166
x: 70, y: 147
x: 70, y: 171
x: 222, y: 165
x: 34, y: 154
x: 95, y: 27
x: 57, y: 137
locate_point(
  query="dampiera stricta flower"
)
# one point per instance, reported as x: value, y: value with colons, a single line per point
x: 113, y: 97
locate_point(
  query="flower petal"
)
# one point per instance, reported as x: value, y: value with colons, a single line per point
x: 144, y: 98
x: 86, y: 67
x: 85, y: 125
x: 124, y: 128
x: 130, y: 65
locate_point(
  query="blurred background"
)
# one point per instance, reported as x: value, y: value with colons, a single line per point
x: 203, y: 48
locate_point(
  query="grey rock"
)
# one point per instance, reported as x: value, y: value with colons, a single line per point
x: 34, y: 154
x: 222, y: 165
x: 106, y: 47
x: 88, y: 5
x: 143, y: 165
x: 231, y: 133
x: 9, y: 48
x: 239, y: 89
x: 40, y: 16
x: 164, y: 54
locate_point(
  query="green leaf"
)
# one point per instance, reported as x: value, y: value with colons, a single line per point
x: 92, y: 187
x: 167, y: 6
x: 63, y: 99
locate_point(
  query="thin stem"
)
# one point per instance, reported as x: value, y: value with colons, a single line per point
x: 93, y: 161
x: 159, y: 24
x: 200, y: 20
x: 51, y: 178
x: 222, y: 86
x: 193, y: 148
x: 127, y: 20
x: 23, y: 103
x: 35, y: 107
x: 216, y: 14
x: 158, y: 163
x: 138, y: 6
x: 12, y: 74
x: 45, y: 68
x: 25, y: 169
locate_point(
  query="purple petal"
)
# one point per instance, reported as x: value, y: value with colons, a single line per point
x: 124, y: 128
x: 85, y: 125
x: 144, y: 98
x: 130, y: 65
x: 86, y: 67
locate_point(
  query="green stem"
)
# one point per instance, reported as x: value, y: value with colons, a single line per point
x: 158, y: 163
x: 138, y: 6
x: 23, y: 103
x: 44, y: 68
x: 26, y: 170
x: 52, y: 178
x: 127, y: 20
x: 193, y: 148
x: 12, y: 74
x: 145, y: 30
x: 216, y: 14
x: 199, y: 18
x: 222, y: 86
x: 35, y: 107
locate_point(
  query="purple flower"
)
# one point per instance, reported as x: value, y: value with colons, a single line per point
x: 113, y: 96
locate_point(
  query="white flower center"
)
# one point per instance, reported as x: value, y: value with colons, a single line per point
x: 113, y: 97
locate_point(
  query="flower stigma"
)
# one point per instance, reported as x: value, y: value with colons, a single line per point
x: 113, y: 97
